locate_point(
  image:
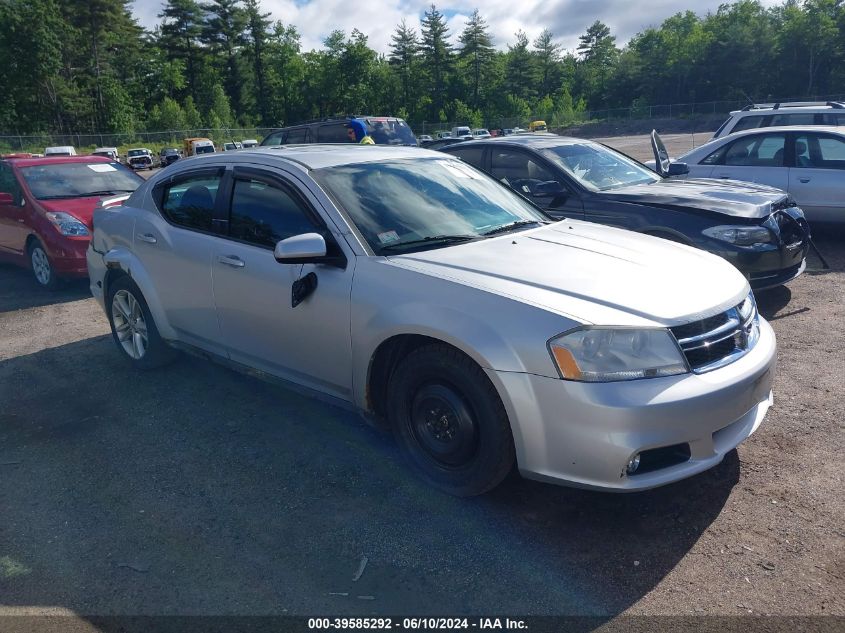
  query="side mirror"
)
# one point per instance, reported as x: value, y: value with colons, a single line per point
x: 678, y: 169
x: 548, y: 189
x: 6, y: 199
x: 301, y: 249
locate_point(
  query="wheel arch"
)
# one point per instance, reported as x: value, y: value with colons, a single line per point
x: 121, y: 262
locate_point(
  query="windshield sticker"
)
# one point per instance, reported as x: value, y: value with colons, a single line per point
x: 388, y: 236
x: 101, y: 168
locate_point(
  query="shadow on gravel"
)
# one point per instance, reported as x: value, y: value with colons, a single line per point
x: 772, y: 301
x: 197, y: 490
x: 19, y: 290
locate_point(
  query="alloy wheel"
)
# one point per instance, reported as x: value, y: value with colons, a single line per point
x: 129, y: 324
x: 41, y: 266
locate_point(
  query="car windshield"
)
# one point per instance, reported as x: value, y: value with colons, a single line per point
x: 388, y: 131
x: 136, y: 152
x: 597, y: 167
x: 423, y: 203
x: 203, y: 149
x: 78, y: 180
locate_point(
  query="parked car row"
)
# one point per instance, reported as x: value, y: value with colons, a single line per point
x: 472, y: 300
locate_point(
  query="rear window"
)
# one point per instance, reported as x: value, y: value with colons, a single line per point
x: 471, y: 155
x: 190, y: 202
x: 794, y: 119
x: 79, y: 180
x: 747, y: 123
x: 332, y: 133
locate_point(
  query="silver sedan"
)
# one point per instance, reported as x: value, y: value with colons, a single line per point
x: 806, y: 161
x: 424, y: 293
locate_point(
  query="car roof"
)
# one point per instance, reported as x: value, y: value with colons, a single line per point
x: 778, y: 129
x: 53, y: 160
x: 533, y: 141
x: 318, y: 156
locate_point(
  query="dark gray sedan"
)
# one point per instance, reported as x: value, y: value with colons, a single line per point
x: 757, y: 228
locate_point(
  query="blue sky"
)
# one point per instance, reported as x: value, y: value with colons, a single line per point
x: 566, y: 18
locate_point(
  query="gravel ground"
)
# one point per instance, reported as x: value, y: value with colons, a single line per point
x: 197, y: 490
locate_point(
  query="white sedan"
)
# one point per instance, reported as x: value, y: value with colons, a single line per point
x: 806, y: 161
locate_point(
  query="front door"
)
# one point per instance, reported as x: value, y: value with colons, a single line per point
x: 759, y: 158
x: 13, y: 226
x: 523, y: 171
x: 308, y: 344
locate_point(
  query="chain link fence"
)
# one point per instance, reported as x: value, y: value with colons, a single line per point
x: 37, y: 142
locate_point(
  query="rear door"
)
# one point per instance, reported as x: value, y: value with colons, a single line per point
x: 759, y: 158
x: 310, y: 343
x: 176, y: 249
x: 817, y: 181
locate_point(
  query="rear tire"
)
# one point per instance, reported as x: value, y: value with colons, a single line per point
x: 42, y: 267
x: 449, y: 421
x: 133, y: 328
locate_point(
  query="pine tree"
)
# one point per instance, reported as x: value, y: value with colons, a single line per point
x: 180, y: 34
x: 548, y: 61
x: 521, y: 75
x: 404, y: 51
x: 477, y: 52
x: 258, y: 33
x: 223, y: 32
x: 437, y: 55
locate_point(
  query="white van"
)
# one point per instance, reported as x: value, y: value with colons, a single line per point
x: 60, y: 150
x: 463, y: 132
x: 108, y: 152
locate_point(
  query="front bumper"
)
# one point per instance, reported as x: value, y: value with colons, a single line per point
x: 67, y: 255
x: 584, y: 434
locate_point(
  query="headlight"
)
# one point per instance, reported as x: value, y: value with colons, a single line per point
x: 740, y: 235
x: 604, y: 354
x: 67, y: 224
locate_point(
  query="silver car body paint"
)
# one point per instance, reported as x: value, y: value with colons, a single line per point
x: 499, y: 300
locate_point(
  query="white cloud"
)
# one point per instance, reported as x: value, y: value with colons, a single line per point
x: 567, y: 19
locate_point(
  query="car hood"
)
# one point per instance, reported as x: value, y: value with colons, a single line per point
x: 80, y: 208
x: 591, y: 273
x: 731, y: 198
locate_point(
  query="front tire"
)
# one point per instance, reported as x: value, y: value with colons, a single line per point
x: 42, y: 268
x: 133, y: 328
x: 449, y: 421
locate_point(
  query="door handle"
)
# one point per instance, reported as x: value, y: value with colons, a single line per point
x: 804, y: 179
x: 231, y: 260
x: 724, y: 177
x: 147, y: 237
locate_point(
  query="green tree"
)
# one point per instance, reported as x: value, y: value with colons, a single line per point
x: 437, y: 55
x: 258, y: 35
x: 598, y: 52
x: 223, y: 32
x: 404, y: 50
x: 476, y: 53
x: 180, y: 35
x: 521, y: 73
x: 547, y: 53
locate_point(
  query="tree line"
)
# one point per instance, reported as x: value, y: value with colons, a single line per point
x: 86, y: 66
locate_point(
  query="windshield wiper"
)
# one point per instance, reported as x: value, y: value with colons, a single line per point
x: 444, y: 239
x: 510, y: 227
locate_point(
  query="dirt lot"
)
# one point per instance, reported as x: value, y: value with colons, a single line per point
x: 196, y: 490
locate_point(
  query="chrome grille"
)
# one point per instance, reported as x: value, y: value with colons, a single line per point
x: 719, y: 340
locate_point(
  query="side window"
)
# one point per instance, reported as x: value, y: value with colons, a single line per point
x: 298, y: 135
x: 519, y: 170
x: 794, y: 119
x: 821, y: 152
x: 263, y: 214
x: 332, y: 133
x: 763, y: 150
x: 276, y: 138
x: 470, y: 155
x: 747, y: 123
x: 190, y: 202
x: 8, y: 183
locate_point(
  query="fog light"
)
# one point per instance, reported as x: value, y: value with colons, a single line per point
x: 633, y: 464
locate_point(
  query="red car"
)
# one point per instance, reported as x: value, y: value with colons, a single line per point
x: 46, y: 210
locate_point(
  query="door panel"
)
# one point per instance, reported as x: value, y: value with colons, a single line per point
x: 817, y: 182
x: 759, y: 158
x: 308, y: 344
x: 178, y: 257
x: 13, y: 225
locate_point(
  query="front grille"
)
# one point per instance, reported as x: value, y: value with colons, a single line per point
x: 718, y: 340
